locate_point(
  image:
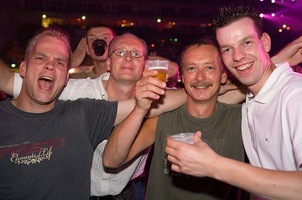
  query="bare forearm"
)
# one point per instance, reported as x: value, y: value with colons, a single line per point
x: 291, y: 53
x: 124, y: 109
x: 232, y: 92
x: 270, y: 184
x: 233, y: 97
x: 120, y: 142
x: 173, y: 98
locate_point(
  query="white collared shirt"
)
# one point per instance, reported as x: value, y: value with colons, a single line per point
x: 272, y: 122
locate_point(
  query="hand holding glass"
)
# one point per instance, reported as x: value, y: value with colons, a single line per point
x: 161, y: 66
x: 182, y: 137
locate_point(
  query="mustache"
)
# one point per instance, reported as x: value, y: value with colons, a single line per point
x: 202, y: 84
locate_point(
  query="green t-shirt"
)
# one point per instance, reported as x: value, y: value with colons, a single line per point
x: 222, y: 131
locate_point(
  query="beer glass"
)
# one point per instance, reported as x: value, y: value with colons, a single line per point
x: 161, y: 66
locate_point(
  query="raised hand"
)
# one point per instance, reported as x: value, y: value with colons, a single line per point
x: 291, y: 53
x: 148, y: 89
x: 79, y: 54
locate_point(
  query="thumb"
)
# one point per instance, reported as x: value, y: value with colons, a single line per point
x: 197, y: 136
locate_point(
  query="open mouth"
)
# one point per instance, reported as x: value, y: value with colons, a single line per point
x: 46, y: 82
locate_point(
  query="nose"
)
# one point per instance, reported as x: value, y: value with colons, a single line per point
x: 50, y: 65
x: 128, y: 56
x: 200, y: 75
x: 238, y: 54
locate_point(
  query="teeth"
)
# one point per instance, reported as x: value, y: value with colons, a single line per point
x: 200, y: 86
x: 47, y: 78
x: 243, y: 67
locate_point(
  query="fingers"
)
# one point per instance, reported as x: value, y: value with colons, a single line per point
x: 150, y: 88
x: 150, y: 84
x: 147, y: 90
x: 175, y: 168
x: 197, y: 137
x: 82, y: 44
x: 79, y: 54
x: 171, y: 144
x: 148, y: 73
x: 170, y: 148
x: 174, y: 163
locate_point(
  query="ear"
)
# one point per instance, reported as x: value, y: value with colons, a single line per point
x: 22, y: 68
x: 266, y: 41
x: 224, y: 78
x: 107, y: 64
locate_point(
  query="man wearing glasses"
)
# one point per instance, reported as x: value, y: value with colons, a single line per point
x: 125, y: 64
x: 94, y: 48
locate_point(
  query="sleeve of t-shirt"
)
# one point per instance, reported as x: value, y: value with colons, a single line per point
x: 17, y: 84
x: 100, y: 113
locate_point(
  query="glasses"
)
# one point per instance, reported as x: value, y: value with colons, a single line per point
x: 133, y: 53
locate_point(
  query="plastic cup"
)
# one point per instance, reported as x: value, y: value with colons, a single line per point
x: 184, y: 137
x: 161, y: 66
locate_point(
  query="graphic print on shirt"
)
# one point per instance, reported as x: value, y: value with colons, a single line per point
x: 30, y: 153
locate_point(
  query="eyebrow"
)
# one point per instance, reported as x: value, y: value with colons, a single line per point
x: 241, y: 40
x: 91, y: 34
x: 58, y: 57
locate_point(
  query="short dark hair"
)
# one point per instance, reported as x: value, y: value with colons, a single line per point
x: 207, y: 40
x: 233, y: 13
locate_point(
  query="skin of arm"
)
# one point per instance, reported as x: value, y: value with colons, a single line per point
x: 6, y: 79
x: 124, y: 144
x: 291, y: 53
x: 232, y: 92
x: 232, y: 97
x: 172, y: 99
x: 123, y: 147
x: 200, y: 160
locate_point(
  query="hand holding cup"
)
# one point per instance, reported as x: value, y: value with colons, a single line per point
x: 161, y: 66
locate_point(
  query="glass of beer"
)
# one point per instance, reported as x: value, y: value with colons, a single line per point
x: 161, y: 66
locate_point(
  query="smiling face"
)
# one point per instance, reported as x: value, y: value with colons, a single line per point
x: 245, y: 53
x: 128, y: 67
x: 202, y: 73
x: 45, y: 72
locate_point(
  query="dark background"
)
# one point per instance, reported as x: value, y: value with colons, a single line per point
x: 20, y: 19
